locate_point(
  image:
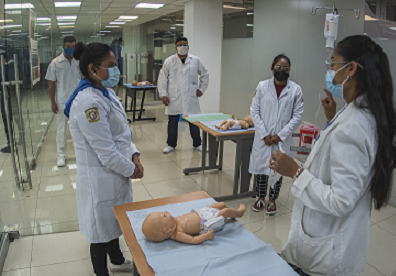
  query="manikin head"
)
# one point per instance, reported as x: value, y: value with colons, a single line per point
x: 158, y: 227
x: 248, y: 119
x: 134, y: 83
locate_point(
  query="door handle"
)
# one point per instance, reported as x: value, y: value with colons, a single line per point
x: 11, y: 82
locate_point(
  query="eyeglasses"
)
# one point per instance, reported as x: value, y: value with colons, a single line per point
x: 182, y: 45
x: 330, y: 64
x: 286, y: 69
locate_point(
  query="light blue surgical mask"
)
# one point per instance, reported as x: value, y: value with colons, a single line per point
x: 69, y: 52
x: 337, y: 90
x: 113, y: 79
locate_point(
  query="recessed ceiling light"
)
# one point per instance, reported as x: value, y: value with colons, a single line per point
x: 233, y: 7
x: 41, y: 19
x: 173, y: 28
x: 120, y: 20
x: 18, y: 31
x: 149, y: 6
x: 128, y: 17
x: 67, y: 4
x: 66, y: 17
x: 18, y: 6
x: 6, y: 20
x: 10, y: 26
x: 250, y: 13
x: 117, y: 23
x: 66, y: 27
x: 67, y: 32
x: 112, y: 26
x: 100, y: 34
x: 178, y: 25
x: 249, y: 25
x: 13, y: 12
x: 392, y: 28
x: 44, y: 24
x: 66, y: 23
x: 105, y: 31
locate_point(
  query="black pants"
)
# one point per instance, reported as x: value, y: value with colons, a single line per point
x: 99, y: 253
x: 262, y: 184
x: 172, y: 132
x: 3, y: 114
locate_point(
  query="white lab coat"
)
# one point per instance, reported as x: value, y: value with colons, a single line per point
x: 104, y: 152
x: 330, y: 226
x: 273, y: 116
x: 67, y: 77
x: 179, y: 82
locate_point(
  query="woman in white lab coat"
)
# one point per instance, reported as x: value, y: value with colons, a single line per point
x: 277, y: 110
x: 106, y: 157
x: 350, y: 166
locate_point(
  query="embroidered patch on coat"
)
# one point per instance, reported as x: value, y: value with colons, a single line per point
x: 92, y: 114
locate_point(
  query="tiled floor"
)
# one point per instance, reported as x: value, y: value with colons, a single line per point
x: 50, y: 208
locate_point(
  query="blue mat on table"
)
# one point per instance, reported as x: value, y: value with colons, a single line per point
x: 234, y: 250
x: 141, y: 87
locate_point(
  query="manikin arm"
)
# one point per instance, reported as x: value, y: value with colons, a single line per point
x: 184, y: 238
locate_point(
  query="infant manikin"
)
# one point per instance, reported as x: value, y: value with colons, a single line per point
x: 143, y: 83
x: 236, y: 124
x: 192, y: 228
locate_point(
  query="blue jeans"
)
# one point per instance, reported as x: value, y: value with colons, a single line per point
x: 173, y: 124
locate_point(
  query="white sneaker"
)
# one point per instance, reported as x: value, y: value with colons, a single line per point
x: 168, y: 149
x: 198, y: 148
x: 61, y: 161
x: 127, y: 266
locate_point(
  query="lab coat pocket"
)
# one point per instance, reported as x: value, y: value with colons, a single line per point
x: 286, y: 114
x: 172, y: 91
x: 106, y: 184
x: 314, y: 254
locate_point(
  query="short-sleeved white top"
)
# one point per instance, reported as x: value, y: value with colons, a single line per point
x: 67, y: 77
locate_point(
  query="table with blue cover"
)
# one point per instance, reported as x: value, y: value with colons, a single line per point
x: 131, y: 91
x: 234, y: 251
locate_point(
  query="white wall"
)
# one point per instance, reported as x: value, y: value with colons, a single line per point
x: 203, y: 26
x: 236, y: 82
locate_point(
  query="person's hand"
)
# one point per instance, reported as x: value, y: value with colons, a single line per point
x: 275, y: 139
x: 267, y: 140
x: 329, y: 106
x: 54, y: 107
x: 283, y: 164
x: 199, y: 93
x: 165, y: 101
x: 210, y: 235
x: 139, y: 170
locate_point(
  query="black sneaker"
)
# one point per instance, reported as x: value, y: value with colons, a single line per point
x: 6, y: 149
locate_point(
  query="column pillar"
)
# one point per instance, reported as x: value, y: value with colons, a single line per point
x: 203, y: 27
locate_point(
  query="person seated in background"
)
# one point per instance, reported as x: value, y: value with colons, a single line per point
x: 142, y: 83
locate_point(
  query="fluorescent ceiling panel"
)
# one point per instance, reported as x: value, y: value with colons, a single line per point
x: 124, y: 17
x: 18, y: 31
x: 117, y: 23
x: 392, y: 28
x: 233, y: 7
x: 249, y: 25
x: 173, y: 28
x: 18, y: 6
x: 66, y: 23
x: 67, y: 4
x: 100, y: 34
x: 66, y: 17
x: 66, y: 27
x: 149, y: 6
x: 6, y: 20
x: 112, y: 26
x: 105, y: 31
x: 10, y: 26
x: 41, y: 19
x: 250, y: 13
x: 13, y: 12
x: 121, y: 20
x: 44, y: 24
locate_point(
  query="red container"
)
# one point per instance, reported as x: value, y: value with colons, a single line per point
x: 308, y: 133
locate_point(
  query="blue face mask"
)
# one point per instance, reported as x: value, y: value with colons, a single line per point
x: 337, y: 90
x: 69, y: 52
x: 113, y: 79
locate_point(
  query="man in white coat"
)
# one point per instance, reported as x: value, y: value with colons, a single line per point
x: 179, y: 89
x: 63, y: 77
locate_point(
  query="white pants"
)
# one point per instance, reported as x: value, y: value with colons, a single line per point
x: 61, y: 135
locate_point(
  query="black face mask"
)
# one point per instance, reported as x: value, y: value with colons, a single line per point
x: 281, y: 75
